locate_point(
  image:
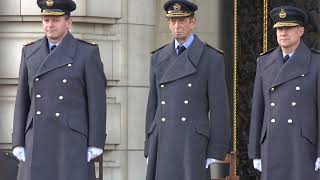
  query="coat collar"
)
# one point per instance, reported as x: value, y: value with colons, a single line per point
x: 296, y: 66
x: 170, y: 67
x: 62, y: 55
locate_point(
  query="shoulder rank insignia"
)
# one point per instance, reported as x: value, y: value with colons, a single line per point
x: 87, y: 42
x: 267, y: 52
x: 208, y: 45
x: 316, y: 51
x: 29, y: 43
x: 158, y: 49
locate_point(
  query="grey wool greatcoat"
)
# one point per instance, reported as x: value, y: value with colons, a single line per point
x: 179, y: 133
x: 60, y: 110
x: 284, y: 129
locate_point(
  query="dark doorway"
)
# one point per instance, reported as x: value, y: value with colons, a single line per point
x: 250, y: 45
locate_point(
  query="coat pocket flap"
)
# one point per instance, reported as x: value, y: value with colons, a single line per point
x: 309, y: 135
x: 78, y: 126
x: 203, y: 130
x: 28, y: 124
x: 151, y: 127
x: 263, y: 133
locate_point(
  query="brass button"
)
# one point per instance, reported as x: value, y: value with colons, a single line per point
x: 38, y: 96
x: 60, y: 97
x: 293, y: 104
x: 189, y: 85
x: 163, y: 102
x: 64, y: 81
x: 273, y: 104
x: 57, y: 114
x: 38, y: 112
x: 183, y: 119
x: 273, y: 120
x: 302, y: 75
x: 69, y: 65
x: 186, y: 102
x: 37, y: 79
x: 163, y: 119
x: 272, y: 89
x: 290, y: 121
x: 162, y: 86
x: 298, y: 88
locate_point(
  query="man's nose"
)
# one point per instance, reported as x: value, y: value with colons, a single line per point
x: 176, y: 24
x: 49, y: 23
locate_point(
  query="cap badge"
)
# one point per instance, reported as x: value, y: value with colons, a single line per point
x: 177, y: 7
x: 282, y: 14
x: 49, y: 3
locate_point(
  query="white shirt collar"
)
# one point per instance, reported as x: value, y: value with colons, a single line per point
x: 50, y: 44
x: 185, y: 44
x: 283, y: 54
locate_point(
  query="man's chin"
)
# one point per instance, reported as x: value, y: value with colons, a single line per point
x: 284, y: 44
x: 50, y: 36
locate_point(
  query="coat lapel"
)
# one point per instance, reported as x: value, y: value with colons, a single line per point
x: 35, y: 58
x: 296, y: 66
x: 62, y: 55
x: 175, y: 67
x: 273, y: 66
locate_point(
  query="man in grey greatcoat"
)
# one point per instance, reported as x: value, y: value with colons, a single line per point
x: 284, y: 133
x: 187, y: 82
x: 60, y: 111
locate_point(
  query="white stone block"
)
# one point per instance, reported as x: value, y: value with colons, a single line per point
x: 137, y: 165
x: 119, y: 95
x: 137, y: 101
x: 104, y: 8
x: 208, y: 16
x: 114, y: 163
x: 106, y: 53
x: 141, y: 43
x: 10, y: 50
x: 142, y: 12
x: 30, y: 7
x: 10, y: 7
x: 81, y: 9
x: 6, y: 116
x: 113, y: 123
x: 117, y: 67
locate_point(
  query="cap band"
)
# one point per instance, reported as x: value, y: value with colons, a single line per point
x: 178, y: 14
x: 52, y: 12
x: 285, y: 24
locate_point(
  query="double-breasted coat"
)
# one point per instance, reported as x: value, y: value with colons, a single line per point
x: 284, y: 129
x: 180, y: 134
x: 60, y: 110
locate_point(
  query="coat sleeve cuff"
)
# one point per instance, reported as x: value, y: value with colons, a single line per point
x: 254, y: 151
x: 99, y: 143
x: 146, y: 148
x: 17, y: 141
x: 217, y: 151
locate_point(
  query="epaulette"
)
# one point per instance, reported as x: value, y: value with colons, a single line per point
x: 208, y: 45
x: 158, y: 49
x: 316, y: 51
x: 87, y: 42
x: 267, y: 52
x: 29, y: 43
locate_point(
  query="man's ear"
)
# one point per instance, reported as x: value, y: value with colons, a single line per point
x: 69, y: 22
x: 301, y: 31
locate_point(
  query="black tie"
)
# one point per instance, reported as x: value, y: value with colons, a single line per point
x: 52, y: 47
x: 181, y: 49
x: 285, y: 58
